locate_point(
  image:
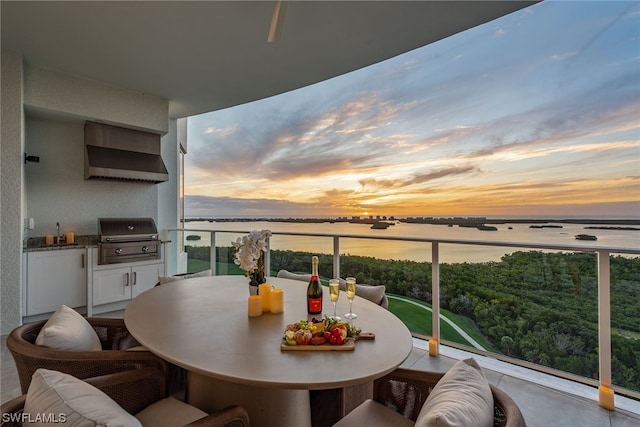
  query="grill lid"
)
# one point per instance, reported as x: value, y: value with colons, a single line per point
x: 127, y: 229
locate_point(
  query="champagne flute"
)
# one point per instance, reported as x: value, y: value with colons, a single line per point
x: 334, y: 293
x: 350, y: 289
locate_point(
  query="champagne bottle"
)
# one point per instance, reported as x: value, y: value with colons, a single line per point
x: 314, y: 290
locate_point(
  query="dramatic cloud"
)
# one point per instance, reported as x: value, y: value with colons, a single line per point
x: 520, y: 111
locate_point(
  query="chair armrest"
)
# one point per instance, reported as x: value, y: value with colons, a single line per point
x: 232, y: 415
x: 505, y: 410
x: 406, y: 390
x: 82, y: 364
x: 11, y: 411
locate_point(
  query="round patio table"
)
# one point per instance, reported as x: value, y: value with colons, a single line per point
x: 202, y: 325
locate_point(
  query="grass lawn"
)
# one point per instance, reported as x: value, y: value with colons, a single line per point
x: 419, y: 320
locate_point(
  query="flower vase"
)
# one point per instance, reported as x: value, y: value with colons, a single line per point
x: 253, y: 289
x: 256, y: 277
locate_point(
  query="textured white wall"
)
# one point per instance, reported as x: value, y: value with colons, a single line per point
x: 54, y: 190
x: 11, y: 190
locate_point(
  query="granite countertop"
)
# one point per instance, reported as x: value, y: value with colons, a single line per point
x: 33, y: 244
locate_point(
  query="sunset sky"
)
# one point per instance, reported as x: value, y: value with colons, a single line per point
x: 534, y: 114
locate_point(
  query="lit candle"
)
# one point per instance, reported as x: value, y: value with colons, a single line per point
x: 433, y: 347
x: 70, y: 237
x: 48, y: 239
x: 277, y: 300
x: 605, y: 397
x: 255, y: 306
x: 264, y: 290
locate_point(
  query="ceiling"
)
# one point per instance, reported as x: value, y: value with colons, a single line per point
x: 208, y: 55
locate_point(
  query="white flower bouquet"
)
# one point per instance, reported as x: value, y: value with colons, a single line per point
x: 249, y: 254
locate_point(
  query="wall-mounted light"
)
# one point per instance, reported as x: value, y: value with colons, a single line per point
x: 34, y: 159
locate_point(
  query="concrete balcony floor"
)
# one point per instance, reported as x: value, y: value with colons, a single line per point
x: 543, y: 399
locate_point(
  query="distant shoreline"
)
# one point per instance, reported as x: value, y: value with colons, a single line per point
x: 464, y: 221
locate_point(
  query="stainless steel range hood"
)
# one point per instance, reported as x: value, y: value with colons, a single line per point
x: 116, y: 153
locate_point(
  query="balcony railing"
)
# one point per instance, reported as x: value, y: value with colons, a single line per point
x: 603, y: 378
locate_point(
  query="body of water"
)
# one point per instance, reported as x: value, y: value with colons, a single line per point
x: 415, y: 251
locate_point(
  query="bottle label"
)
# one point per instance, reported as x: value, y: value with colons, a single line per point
x: 315, y: 305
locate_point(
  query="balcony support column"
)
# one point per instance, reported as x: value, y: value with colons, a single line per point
x: 605, y: 392
x: 434, y: 342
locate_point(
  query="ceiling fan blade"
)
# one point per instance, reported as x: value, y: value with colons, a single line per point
x: 277, y: 21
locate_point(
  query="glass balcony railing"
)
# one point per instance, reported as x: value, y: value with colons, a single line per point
x: 568, y: 310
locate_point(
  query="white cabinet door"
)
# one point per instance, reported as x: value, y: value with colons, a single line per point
x: 145, y: 277
x: 56, y: 277
x: 112, y: 285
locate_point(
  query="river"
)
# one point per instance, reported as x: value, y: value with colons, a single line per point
x: 415, y: 251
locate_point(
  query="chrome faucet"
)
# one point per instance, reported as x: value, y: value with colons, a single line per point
x: 58, y: 232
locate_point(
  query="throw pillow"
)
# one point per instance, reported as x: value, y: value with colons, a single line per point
x: 167, y: 279
x: 462, y: 397
x: 66, y: 329
x: 58, y: 398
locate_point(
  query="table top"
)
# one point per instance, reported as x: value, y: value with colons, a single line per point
x: 201, y: 324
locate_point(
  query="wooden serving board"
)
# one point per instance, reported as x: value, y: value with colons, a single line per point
x: 348, y: 345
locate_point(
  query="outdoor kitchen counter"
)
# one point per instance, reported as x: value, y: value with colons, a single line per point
x: 34, y: 244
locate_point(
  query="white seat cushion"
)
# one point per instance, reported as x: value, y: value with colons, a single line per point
x: 66, y: 329
x: 169, y: 412
x: 373, y: 414
x: 461, y: 398
x: 65, y: 400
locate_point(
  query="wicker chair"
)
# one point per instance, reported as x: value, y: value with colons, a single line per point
x: 405, y: 391
x: 114, y: 337
x: 135, y: 390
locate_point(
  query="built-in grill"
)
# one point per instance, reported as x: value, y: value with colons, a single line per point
x: 127, y: 240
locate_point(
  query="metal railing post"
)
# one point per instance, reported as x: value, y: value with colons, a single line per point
x: 336, y: 257
x: 605, y: 392
x: 212, y: 253
x: 434, y: 342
